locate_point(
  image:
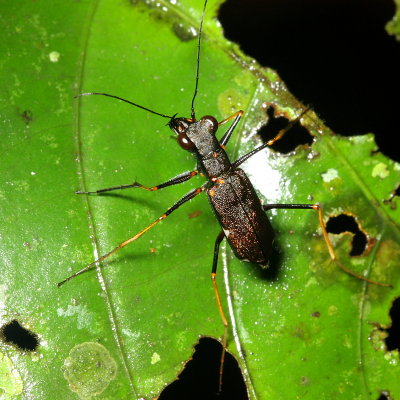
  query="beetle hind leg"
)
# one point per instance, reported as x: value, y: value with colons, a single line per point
x: 329, y: 246
x: 218, y: 241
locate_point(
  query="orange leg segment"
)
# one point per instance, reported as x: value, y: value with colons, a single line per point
x: 183, y: 200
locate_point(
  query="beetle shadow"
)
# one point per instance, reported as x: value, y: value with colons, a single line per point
x: 115, y: 262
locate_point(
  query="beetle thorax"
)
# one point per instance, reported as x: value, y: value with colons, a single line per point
x: 202, y: 135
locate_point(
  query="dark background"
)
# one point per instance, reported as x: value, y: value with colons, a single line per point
x: 334, y: 55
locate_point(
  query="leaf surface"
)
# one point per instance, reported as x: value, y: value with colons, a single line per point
x: 305, y: 328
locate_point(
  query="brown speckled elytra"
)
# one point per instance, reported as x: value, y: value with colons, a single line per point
x: 232, y: 197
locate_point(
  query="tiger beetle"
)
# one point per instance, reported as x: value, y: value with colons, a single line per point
x: 233, y: 199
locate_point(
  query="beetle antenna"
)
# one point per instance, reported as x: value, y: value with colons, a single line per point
x: 126, y: 101
x: 198, y: 59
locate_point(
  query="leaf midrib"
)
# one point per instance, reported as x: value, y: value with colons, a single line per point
x: 86, y: 34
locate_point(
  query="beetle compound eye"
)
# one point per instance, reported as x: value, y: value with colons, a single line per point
x: 184, y: 141
x: 212, y: 121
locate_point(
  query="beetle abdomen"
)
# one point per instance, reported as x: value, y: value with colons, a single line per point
x: 240, y: 214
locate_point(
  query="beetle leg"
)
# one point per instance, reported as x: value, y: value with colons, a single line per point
x: 219, y: 303
x: 224, y: 140
x: 279, y: 135
x: 173, y: 181
x: 326, y: 237
x: 183, y: 200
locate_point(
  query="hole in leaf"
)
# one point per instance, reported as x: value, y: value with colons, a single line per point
x: 384, y: 395
x: 393, y: 339
x: 199, y: 379
x: 27, y: 116
x: 347, y: 223
x: 297, y: 135
x: 14, y: 333
x: 330, y: 54
x: 391, y: 198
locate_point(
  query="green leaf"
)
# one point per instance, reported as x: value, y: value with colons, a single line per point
x: 305, y: 328
x: 393, y: 26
